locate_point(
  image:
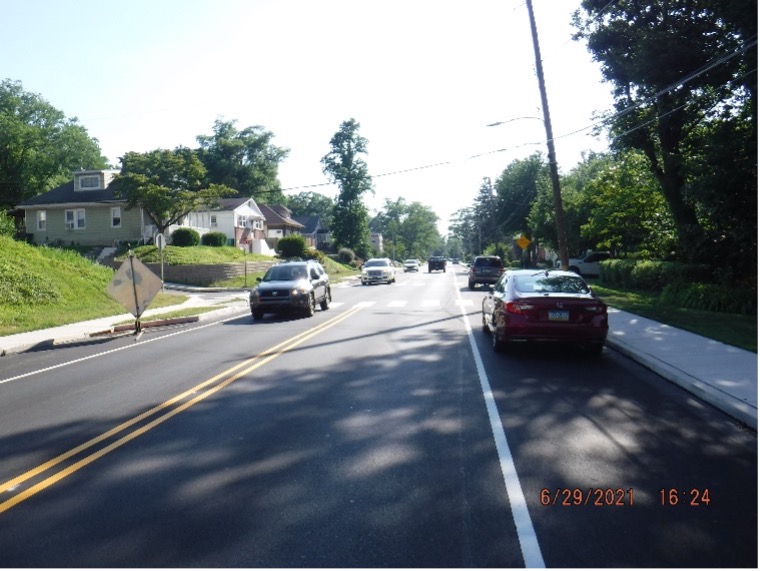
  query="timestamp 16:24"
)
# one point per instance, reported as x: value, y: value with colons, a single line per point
x: 695, y: 497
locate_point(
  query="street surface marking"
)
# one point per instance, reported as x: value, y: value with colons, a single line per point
x: 168, y: 409
x: 526, y: 534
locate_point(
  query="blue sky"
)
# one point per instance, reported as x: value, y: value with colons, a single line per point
x: 422, y: 77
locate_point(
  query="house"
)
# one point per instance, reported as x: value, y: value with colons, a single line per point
x: 240, y: 219
x: 317, y: 235
x: 84, y: 211
x: 278, y: 223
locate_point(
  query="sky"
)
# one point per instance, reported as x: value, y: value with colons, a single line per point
x: 423, y: 78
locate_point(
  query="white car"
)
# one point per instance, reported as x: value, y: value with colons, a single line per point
x: 588, y: 265
x: 377, y: 270
x: 411, y: 265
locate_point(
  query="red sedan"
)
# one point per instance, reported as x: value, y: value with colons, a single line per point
x: 544, y: 305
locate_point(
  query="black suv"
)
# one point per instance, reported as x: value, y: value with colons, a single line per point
x: 290, y: 286
x: 436, y: 263
x: 485, y: 270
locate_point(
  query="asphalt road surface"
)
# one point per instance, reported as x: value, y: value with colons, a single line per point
x: 383, y: 432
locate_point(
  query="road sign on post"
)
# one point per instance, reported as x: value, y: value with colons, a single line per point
x: 134, y: 286
x: 523, y: 241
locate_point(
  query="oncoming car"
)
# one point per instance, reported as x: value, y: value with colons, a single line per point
x: 378, y: 270
x: 291, y: 286
x: 544, y: 305
x: 411, y: 265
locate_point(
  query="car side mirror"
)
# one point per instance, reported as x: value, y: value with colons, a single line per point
x: 258, y: 280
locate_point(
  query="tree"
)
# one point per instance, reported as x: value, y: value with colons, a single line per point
x: 628, y: 213
x: 312, y: 204
x: 409, y: 230
x: 166, y: 184
x: 245, y: 161
x: 345, y: 167
x: 676, y: 66
x: 40, y: 146
x: 516, y: 189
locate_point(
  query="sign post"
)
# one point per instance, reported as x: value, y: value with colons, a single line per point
x: 134, y: 286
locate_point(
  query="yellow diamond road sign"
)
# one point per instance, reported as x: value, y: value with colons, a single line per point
x: 523, y: 241
x: 134, y: 286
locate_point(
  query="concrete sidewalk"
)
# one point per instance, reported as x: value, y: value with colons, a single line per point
x: 722, y: 375
x: 719, y: 374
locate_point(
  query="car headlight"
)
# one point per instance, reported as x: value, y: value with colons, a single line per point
x: 255, y: 295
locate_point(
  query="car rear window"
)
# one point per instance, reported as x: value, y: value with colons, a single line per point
x: 550, y: 284
x: 488, y: 262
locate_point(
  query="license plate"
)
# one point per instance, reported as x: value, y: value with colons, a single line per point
x: 559, y: 315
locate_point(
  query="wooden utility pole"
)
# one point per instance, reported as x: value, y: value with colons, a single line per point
x: 559, y: 213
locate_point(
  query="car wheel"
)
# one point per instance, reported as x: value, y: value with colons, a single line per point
x: 496, y: 343
x: 324, y: 305
x: 311, y: 306
x: 594, y: 349
x: 257, y: 314
x: 471, y: 285
x: 486, y: 328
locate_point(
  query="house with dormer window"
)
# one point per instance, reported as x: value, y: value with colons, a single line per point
x: 84, y: 211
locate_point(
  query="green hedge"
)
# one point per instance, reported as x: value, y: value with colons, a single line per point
x: 682, y: 285
x: 215, y: 239
x: 185, y: 237
x: 651, y: 275
x: 711, y: 297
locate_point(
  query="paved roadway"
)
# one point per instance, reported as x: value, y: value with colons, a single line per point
x: 383, y: 432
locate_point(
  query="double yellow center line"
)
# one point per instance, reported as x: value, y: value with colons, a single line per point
x: 165, y: 411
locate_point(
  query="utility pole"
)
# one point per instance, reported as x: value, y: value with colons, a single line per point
x: 559, y: 213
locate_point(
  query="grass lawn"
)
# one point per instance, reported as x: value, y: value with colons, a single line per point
x: 737, y: 330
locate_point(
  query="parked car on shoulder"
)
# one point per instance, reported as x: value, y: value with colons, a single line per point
x: 291, y: 286
x: 484, y: 270
x: 544, y: 305
x: 588, y: 265
x: 436, y: 263
x: 378, y: 270
x: 411, y: 265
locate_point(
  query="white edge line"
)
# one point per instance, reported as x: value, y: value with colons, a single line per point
x: 526, y: 534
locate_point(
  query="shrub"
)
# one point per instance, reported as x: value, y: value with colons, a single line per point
x: 292, y: 246
x: 314, y: 254
x: 185, y: 237
x: 346, y: 255
x: 216, y: 239
x: 711, y: 297
x: 7, y: 225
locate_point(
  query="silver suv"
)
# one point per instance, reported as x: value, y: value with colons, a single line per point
x: 291, y: 286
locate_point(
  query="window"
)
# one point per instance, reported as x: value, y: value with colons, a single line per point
x: 116, y: 217
x: 213, y: 221
x: 75, y: 219
x: 42, y: 220
x: 242, y: 221
x: 89, y: 182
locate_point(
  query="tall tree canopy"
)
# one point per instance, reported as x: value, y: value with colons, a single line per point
x: 39, y: 146
x: 681, y: 70
x: 312, y: 203
x: 345, y: 166
x: 246, y: 161
x: 166, y: 184
x: 409, y: 229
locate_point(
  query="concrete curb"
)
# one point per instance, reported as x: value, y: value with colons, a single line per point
x: 732, y: 406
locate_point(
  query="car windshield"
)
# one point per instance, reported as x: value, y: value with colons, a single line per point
x: 410, y: 262
x: 285, y: 274
x: 551, y: 284
x: 375, y: 263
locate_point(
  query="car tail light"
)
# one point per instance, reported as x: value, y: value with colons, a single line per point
x: 599, y: 308
x: 518, y: 307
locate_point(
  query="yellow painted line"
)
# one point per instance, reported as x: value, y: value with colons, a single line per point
x: 255, y: 362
